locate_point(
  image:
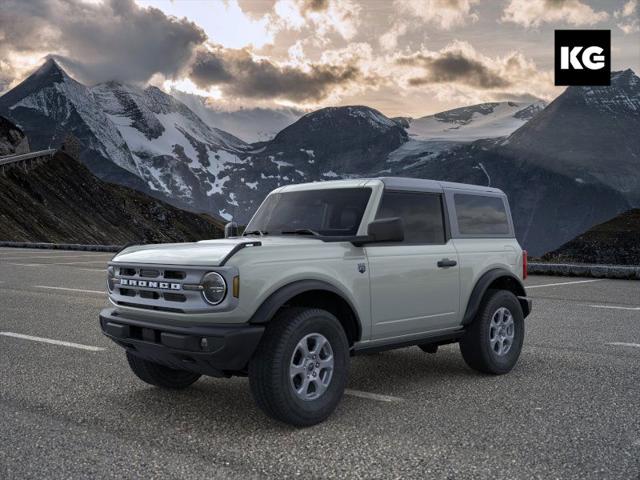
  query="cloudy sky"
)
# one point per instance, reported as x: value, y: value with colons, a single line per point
x: 404, y: 57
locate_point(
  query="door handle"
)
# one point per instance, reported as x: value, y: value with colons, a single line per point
x: 446, y: 263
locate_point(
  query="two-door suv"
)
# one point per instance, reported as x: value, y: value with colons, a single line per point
x: 324, y: 271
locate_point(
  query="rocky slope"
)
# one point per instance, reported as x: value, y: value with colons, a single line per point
x: 590, y: 134
x: 61, y: 201
x: 615, y: 242
x: 12, y: 140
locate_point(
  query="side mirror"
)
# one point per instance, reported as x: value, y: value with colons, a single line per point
x: 231, y: 230
x: 386, y: 230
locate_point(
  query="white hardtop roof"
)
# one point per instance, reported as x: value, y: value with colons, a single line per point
x: 401, y: 183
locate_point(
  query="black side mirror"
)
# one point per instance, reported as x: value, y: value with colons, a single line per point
x: 231, y: 230
x: 386, y: 230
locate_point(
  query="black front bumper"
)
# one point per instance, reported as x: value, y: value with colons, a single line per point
x: 215, y: 350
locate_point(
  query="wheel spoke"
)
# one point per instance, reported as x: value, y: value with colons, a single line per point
x: 304, y: 387
x: 319, y: 386
x: 297, y: 370
x: 318, y: 345
x: 325, y: 362
x: 303, y: 346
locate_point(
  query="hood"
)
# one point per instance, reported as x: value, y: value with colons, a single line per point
x: 204, y: 253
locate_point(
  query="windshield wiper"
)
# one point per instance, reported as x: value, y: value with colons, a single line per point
x: 301, y: 231
x: 255, y: 232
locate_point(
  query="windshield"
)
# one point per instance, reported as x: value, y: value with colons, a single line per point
x: 336, y: 211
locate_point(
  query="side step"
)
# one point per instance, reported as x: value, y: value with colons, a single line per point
x: 435, y: 340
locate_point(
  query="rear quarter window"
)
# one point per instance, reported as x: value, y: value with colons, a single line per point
x: 481, y: 215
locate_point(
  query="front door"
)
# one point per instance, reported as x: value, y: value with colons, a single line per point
x: 415, y: 284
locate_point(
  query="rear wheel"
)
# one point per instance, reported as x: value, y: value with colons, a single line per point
x: 299, y: 371
x: 493, y: 341
x: 159, y: 375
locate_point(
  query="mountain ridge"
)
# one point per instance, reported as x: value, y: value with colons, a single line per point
x: 515, y: 146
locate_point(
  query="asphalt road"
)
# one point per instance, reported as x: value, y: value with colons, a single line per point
x: 570, y: 409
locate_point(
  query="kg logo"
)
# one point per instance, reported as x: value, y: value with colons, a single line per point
x: 583, y: 57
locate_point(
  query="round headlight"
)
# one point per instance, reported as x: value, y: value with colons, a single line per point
x: 214, y: 288
x: 111, y: 273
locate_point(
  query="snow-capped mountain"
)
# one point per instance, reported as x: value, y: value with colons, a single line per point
x: 467, y: 124
x: 51, y: 103
x: 141, y: 138
x: 174, y: 151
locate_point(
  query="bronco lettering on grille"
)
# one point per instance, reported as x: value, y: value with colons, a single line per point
x: 146, y: 284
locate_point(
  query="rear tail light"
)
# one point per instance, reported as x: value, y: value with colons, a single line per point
x: 524, y: 264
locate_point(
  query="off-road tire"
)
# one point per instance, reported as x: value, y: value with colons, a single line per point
x: 159, y: 375
x: 476, y: 345
x: 269, y: 375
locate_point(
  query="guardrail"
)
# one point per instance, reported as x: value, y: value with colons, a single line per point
x: 11, y: 159
x: 585, y: 270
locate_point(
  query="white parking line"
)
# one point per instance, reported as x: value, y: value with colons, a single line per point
x: 52, y: 342
x: 71, y: 289
x: 614, y: 307
x: 564, y: 283
x: 30, y: 257
x: 372, y: 396
x: 623, y: 344
x: 57, y: 263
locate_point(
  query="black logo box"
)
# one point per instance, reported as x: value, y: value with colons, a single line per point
x: 584, y: 39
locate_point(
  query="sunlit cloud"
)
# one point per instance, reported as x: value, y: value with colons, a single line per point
x: 324, y: 17
x: 445, y: 14
x: 224, y: 22
x: 532, y: 13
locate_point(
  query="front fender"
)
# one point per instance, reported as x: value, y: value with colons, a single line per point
x: 276, y: 300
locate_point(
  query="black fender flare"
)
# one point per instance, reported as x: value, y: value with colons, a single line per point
x: 280, y: 297
x: 481, y: 287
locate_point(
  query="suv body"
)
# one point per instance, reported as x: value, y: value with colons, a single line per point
x: 325, y: 271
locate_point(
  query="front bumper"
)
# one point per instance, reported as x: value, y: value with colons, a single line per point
x: 226, y: 350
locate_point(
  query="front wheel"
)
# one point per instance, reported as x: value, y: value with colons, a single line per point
x: 493, y: 341
x: 299, y: 371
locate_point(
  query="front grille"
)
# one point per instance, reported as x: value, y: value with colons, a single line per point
x: 154, y: 287
x: 158, y: 288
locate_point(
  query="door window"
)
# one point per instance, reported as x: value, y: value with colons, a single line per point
x: 421, y: 213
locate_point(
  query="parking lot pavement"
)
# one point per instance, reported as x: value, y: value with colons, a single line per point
x: 568, y: 410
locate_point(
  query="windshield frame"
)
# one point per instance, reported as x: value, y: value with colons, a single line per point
x: 308, y: 230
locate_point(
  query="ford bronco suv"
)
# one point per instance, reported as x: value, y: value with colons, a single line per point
x: 322, y: 272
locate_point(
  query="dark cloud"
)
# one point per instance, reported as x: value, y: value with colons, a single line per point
x: 236, y: 72
x: 454, y: 67
x: 315, y: 5
x: 113, y: 40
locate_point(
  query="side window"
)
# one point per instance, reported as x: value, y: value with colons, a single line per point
x: 421, y: 214
x: 480, y: 215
